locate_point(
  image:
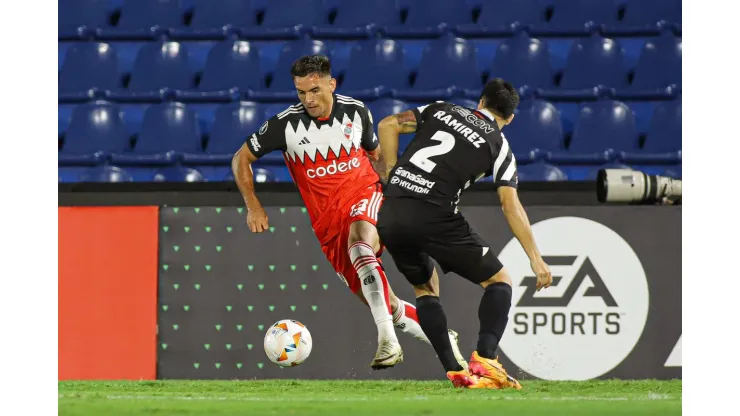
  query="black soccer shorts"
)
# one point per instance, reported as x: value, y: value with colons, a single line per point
x: 415, y: 231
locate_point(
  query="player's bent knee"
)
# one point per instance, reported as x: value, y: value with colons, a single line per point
x: 395, y: 304
x: 501, y: 277
x: 429, y: 288
x: 425, y: 290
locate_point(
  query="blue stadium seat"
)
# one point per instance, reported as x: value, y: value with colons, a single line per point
x: 168, y: 131
x: 210, y: 22
x: 385, y: 107
x: 127, y: 52
x: 62, y: 53
x: 672, y: 172
x: 88, y: 66
x: 651, y: 169
x: 273, y: 108
x: 64, y: 117
x: 581, y: 172
x: 464, y: 102
x: 648, y: 17
x: 289, y: 19
x: 593, y: 171
x: 70, y: 174
x: 140, y: 173
x: 375, y: 68
x: 536, y: 128
x: 133, y: 115
x: 158, y: 65
x: 231, y: 64
x: 206, y: 112
x: 448, y: 65
x: 430, y: 19
x: 663, y: 141
x: 658, y: 67
x: 540, y: 172
x: 592, y: 62
x: 96, y: 130
x: 263, y: 175
x: 502, y: 17
x: 602, y: 128
x: 105, y: 174
x: 178, y: 174
x: 145, y: 19
x: 360, y: 19
x: 664, y: 134
x: 577, y: 17
x: 294, y: 50
x: 213, y: 173
x: 232, y: 125
x: 522, y: 61
x: 74, y: 14
x: 282, y: 88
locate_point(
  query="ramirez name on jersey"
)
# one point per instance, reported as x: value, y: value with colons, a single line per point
x: 454, y: 146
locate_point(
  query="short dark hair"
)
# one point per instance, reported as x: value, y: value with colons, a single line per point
x: 500, y: 97
x: 311, y: 64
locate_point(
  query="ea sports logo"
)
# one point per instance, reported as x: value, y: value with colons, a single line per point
x: 594, y: 313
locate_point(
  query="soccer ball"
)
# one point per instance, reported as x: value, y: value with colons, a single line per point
x: 288, y: 343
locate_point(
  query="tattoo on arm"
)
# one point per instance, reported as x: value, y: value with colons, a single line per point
x: 377, y: 161
x: 407, y: 121
x: 379, y: 166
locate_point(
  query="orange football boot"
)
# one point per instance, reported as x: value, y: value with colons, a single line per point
x: 491, y: 369
x: 463, y: 379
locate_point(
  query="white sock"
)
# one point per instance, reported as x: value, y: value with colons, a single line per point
x: 374, y: 287
x: 406, y: 320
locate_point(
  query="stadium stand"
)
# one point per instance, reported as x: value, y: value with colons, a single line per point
x: 167, y: 90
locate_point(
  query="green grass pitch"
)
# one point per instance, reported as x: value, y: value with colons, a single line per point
x: 376, y: 398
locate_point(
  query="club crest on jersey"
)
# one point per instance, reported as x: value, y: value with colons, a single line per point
x: 347, y: 130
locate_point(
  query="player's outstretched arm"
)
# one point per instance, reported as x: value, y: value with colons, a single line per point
x: 241, y: 165
x: 522, y: 229
x: 388, y: 131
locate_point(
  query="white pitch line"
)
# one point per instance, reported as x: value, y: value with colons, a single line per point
x: 649, y: 397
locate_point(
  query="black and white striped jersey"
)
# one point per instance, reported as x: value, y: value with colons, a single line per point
x: 454, y: 146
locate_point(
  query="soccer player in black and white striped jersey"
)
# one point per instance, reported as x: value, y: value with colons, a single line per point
x: 454, y: 146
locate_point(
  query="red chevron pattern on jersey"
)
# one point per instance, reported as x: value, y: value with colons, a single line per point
x: 327, y: 157
x: 328, y: 165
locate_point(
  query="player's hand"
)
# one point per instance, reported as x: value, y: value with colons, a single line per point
x: 542, y: 270
x: 257, y: 220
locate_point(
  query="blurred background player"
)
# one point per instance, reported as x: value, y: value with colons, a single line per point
x: 328, y: 144
x: 419, y: 220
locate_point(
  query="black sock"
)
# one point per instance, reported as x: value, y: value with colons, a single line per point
x: 494, y: 315
x: 433, y: 321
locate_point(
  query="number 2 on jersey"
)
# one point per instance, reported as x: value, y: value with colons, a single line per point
x: 421, y: 158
